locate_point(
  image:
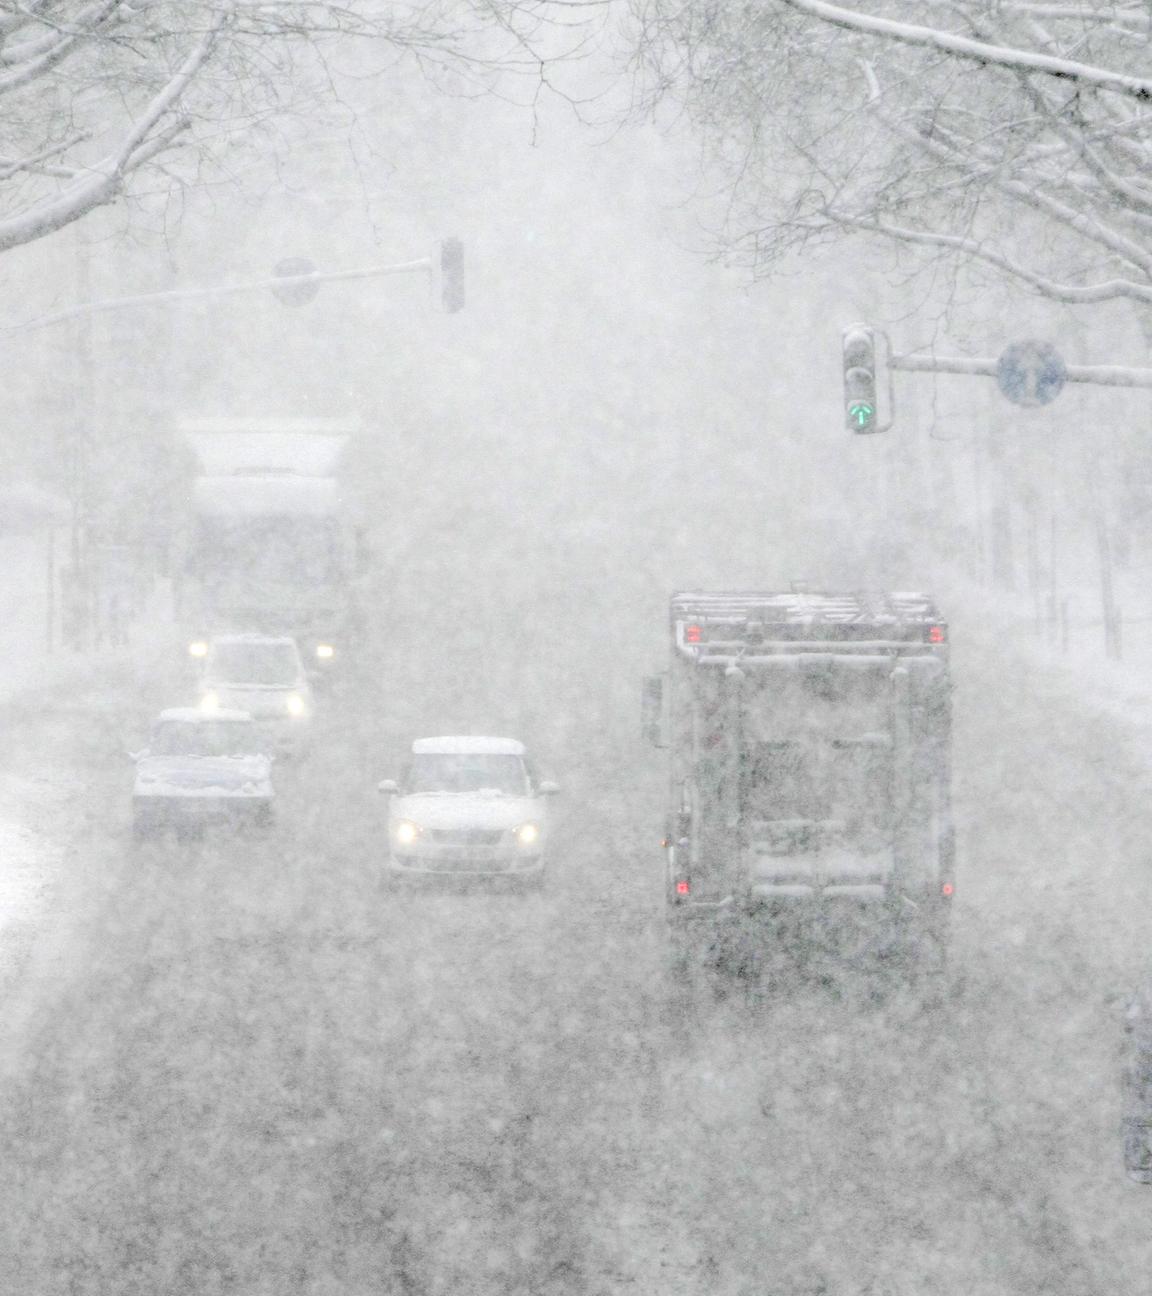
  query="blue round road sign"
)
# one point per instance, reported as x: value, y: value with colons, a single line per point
x: 1031, y: 373
x: 295, y: 294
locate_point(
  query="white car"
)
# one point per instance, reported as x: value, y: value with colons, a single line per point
x: 260, y: 674
x: 469, y: 808
x: 201, y: 768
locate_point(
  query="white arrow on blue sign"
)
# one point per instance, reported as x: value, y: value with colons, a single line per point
x: 1031, y: 373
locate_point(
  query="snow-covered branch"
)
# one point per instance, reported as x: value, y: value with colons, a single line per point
x: 98, y: 91
x: 960, y: 47
x: 1014, y: 133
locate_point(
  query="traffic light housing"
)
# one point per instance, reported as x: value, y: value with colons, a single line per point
x: 452, y: 275
x: 861, y: 412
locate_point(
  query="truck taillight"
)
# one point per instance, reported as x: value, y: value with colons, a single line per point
x: 947, y: 889
x: 682, y: 887
x: 936, y: 634
x: 692, y: 634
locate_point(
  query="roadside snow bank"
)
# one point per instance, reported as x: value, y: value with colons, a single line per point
x: 997, y: 621
x: 30, y: 860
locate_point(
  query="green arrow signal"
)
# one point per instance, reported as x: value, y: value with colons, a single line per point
x: 861, y: 412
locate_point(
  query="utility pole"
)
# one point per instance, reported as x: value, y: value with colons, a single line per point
x: 1108, y: 609
x: 77, y: 593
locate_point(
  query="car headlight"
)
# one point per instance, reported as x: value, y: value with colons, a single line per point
x: 210, y: 701
x: 198, y: 648
x: 406, y: 832
x: 527, y: 834
x: 295, y: 704
x: 325, y: 652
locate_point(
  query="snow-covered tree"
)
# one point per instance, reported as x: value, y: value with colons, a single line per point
x: 100, y: 99
x: 1012, y: 133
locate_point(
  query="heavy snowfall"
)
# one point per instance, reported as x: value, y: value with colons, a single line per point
x: 576, y: 648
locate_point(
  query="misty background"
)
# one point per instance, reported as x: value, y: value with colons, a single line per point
x: 257, y: 1078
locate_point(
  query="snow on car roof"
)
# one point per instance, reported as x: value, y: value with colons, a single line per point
x: 467, y: 746
x: 193, y: 715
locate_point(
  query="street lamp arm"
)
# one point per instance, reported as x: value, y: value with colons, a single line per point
x: 109, y: 304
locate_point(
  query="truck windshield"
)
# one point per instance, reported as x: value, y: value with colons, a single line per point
x: 204, y: 738
x: 278, y: 550
x: 473, y: 772
x: 254, y: 663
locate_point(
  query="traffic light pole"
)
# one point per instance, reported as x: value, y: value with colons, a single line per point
x: 447, y: 265
x: 1101, y: 375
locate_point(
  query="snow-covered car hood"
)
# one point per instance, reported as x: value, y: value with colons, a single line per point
x: 203, y: 775
x: 467, y: 810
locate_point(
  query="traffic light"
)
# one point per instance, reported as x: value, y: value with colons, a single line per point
x: 860, y: 410
x: 452, y: 275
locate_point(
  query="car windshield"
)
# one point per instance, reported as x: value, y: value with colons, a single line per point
x: 254, y: 663
x: 204, y: 738
x: 470, y: 772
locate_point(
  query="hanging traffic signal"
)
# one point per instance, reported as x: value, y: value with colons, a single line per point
x: 860, y: 408
x: 295, y: 291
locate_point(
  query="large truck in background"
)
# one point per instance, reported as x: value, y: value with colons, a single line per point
x: 271, y: 539
x: 808, y: 738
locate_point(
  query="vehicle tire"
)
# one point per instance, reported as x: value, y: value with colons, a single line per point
x: 142, y: 832
x: 1138, y: 1150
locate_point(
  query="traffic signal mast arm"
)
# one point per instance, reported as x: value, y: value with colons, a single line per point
x: 1102, y: 375
x: 447, y: 261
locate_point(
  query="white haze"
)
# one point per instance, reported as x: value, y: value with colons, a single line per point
x: 242, y: 1068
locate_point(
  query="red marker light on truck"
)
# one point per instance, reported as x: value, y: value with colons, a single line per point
x: 946, y: 889
x: 936, y: 634
x: 681, y: 888
x: 692, y: 634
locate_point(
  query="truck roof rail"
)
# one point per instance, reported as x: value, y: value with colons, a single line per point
x: 750, y: 621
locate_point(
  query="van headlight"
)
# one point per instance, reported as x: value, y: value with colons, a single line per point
x: 406, y: 832
x: 210, y: 701
x: 295, y: 704
x: 325, y: 652
x: 527, y: 834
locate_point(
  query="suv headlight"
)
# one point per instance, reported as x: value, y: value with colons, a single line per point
x: 406, y: 832
x: 528, y: 834
x: 295, y: 704
x: 210, y: 701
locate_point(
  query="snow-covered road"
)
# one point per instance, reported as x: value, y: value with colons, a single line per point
x: 247, y: 1070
